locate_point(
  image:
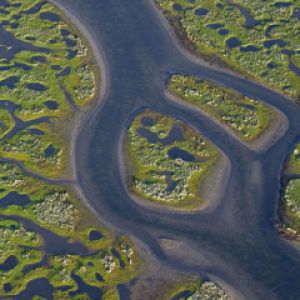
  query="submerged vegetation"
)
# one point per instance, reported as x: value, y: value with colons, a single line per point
x: 258, y: 38
x: 167, y: 160
x: 47, y: 76
x: 244, y: 116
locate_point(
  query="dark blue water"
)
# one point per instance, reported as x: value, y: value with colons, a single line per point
x: 53, y: 105
x: 124, y: 292
x: 93, y: 292
x: 36, y: 131
x: 28, y: 268
x: 56, y: 67
x: 249, y: 48
x: 36, y: 87
x: 7, y: 287
x: 95, y: 235
x: 215, y: 25
x: 14, y: 198
x: 117, y: 255
x: 147, y: 121
x: 269, y: 30
x: 174, y: 136
x: 250, y: 22
x: 65, y: 72
x: 37, y: 287
x: 70, y: 43
x: 50, y: 16
x: 65, y: 32
x: 10, y: 82
x: 201, y: 11
x: 271, y: 65
x: 233, y: 42
x: 34, y: 9
x: 71, y: 53
x: 270, y: 43
x: 23, y: 66
x: 39, y: 58
x: 282, y: 4
x: 9, y: 263
x: 177, y: 7
x: 175, y: 153
x: 171, y: 184
x: 99, y: 277
x: 296, y: 13
x: 223, y: 31
x: 50, y: 151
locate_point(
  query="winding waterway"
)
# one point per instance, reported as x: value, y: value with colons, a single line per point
x: 237, y: 237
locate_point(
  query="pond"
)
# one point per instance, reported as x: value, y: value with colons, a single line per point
x: 36, y: 87
x: 52, y: 105
x: 93, y: 292
x: 14, y: 198
x: 233, y: 42
x: 95, y: 235
x: 9, y: 264
x: 201, y: 11
x: 50, y: 16
x: 50, y: 151
x: 175, y: 153
x: 175, y: 135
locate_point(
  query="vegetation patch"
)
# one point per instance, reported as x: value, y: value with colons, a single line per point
x: 195, y: 290
x: 6, y: 122
x: 167, y: 160
x: 245, y: 117
x: 47, y: 75
x: 292, y: 208
x: 293, y: 164
x: 257, y: 38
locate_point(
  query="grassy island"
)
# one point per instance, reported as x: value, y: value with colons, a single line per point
x: 193, y: 290
x: 48, y: 75
x: 257, y: 38
x: 245, y: 117
x: 291, y: 209
x: 290, y: 204
x: 293, y: 163
x: 167, y: 160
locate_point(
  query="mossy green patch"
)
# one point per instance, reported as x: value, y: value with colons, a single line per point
x: 261, y: 44
x: 6, y: 122
x: 292, y: 205
x: 48, y: 76
x: 167, y: 160
x: 245, y: 117
x: 293, y: 164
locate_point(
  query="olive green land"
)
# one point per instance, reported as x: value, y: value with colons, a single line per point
x: 48, y: 76
x: 291, y: 209
x: 247, y: 118
x: 193, y: 290
x: 293, y: 163
x: 167, y: 160
x: 259, y: 39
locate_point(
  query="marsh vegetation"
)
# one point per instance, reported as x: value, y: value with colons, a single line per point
x: 258, y: 38
x: 167, y: 160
